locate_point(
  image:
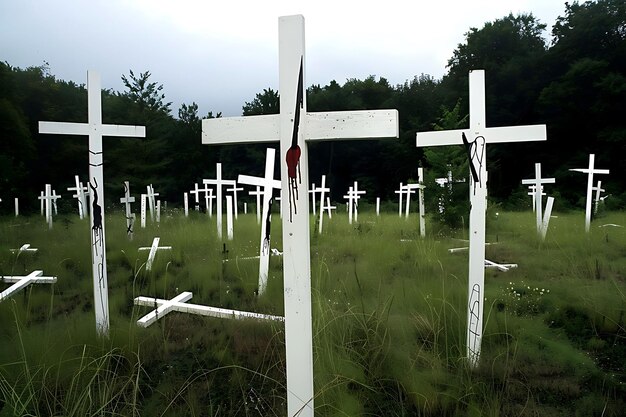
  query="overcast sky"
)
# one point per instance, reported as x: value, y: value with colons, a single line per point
x: 220, y: 54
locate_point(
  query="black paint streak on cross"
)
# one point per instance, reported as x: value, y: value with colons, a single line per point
x: 473, y: 156
x: 96, y: 228
x: 268, y: 225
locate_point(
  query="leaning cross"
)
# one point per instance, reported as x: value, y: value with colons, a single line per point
x: 538, y: 183
x: 127, y: 200
x: 269, y: 184
x: 79, y: 196
x: 19, y: 282
x: 295, y: 127
x: 96, y: 130
x: 475, y: 140
x: 153, y: 251
x: 590, y: 171
x: 179, y: 303
x: 599, y: 190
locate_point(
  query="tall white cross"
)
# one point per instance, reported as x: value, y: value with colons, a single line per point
x: 218, y: 182
x: 269, y: 184
x: 475, y: 140
x: 590, y: 171
x: 127, y: 200
x: 96, y: 130
x: 295, y: 127
x: 538, y: 183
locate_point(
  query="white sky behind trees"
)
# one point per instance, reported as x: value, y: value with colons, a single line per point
x: 221, y: 53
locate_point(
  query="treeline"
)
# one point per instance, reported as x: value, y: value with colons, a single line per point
x: 575, y: 84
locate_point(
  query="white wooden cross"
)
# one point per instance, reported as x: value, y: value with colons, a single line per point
x: 401, y: 191
x: 128, y: 213
x: 533, y: 193
x: 20, y: 282
x: 153, y: 251
x: 55, y: 197
x: 409, y: 189
x: 218, y: 182
x: 47, y: 199
x: 179, y: 303
x: 329, y: 207
x: 96, y: 130
x: 234, y: 189
x: 208, y: 199
x: 269, y: 184
x: 313, y: 191
x: 475, y: 140
x: 142, y: 215
x: 590, y: 170
x: 538, y: 183
x: 350, y: 204
x: 257, y: 193
x: 295, y: 127
x: 229, y: 217
x: 196, y: 193
x: 80, y: 197
x: 151, y: 201
x: 24, y: 248
x: 322, y: 190
x: 599, y: 190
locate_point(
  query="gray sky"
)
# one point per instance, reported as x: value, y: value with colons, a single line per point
x: 221, y: 54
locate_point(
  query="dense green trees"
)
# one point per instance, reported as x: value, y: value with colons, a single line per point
x: 576, y: 84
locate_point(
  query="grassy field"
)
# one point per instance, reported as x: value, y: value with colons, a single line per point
x: 388, y: 310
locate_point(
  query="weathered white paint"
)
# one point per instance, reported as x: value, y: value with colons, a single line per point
x: 478, y: 135
x: 96, y: 130
x: 127, y: 200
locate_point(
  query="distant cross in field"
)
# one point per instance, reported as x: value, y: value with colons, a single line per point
x: 351, y: 197
x: 153, y: 251
x: 96, y: 130
x: 533, y: 193
x: 47, y: 198
x: 25, y: 248
x: 20, y: 282
x: 322, y: 190
x: 599, y: 190
x: 442, y: 183
x: 208, y: 199
x: 313, y: 191
x: 128, y: 213
x: 257, y: 193
x: 329, y: 207
x: 590, y: 170
x: 151, y: 201
x: 401, y: 192
x: 269, y: 184
x: 234, y: 189
x: 475, y: 141
x: 80, y: 196
x: 295, y: 127
x: 219, y: 182
x: 196, y: 193
x: 538, y: 182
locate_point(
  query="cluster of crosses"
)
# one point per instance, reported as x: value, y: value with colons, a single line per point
x: 294, y: 127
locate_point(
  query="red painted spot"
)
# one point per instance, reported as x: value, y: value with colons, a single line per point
x: 293, y: 159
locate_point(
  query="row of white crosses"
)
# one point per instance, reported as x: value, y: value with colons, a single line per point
x: 294, y: 127
x: 475, y: 140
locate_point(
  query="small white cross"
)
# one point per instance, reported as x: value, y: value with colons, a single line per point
x: 19, y: 282
x: 153, y: 251
x: 590, y: 170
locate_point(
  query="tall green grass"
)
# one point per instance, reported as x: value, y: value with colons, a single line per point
x: 388, y: 311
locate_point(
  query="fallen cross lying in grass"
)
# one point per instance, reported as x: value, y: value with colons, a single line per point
x: 24, y: 248
x: 179, y: 303
x: 21, y: 282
